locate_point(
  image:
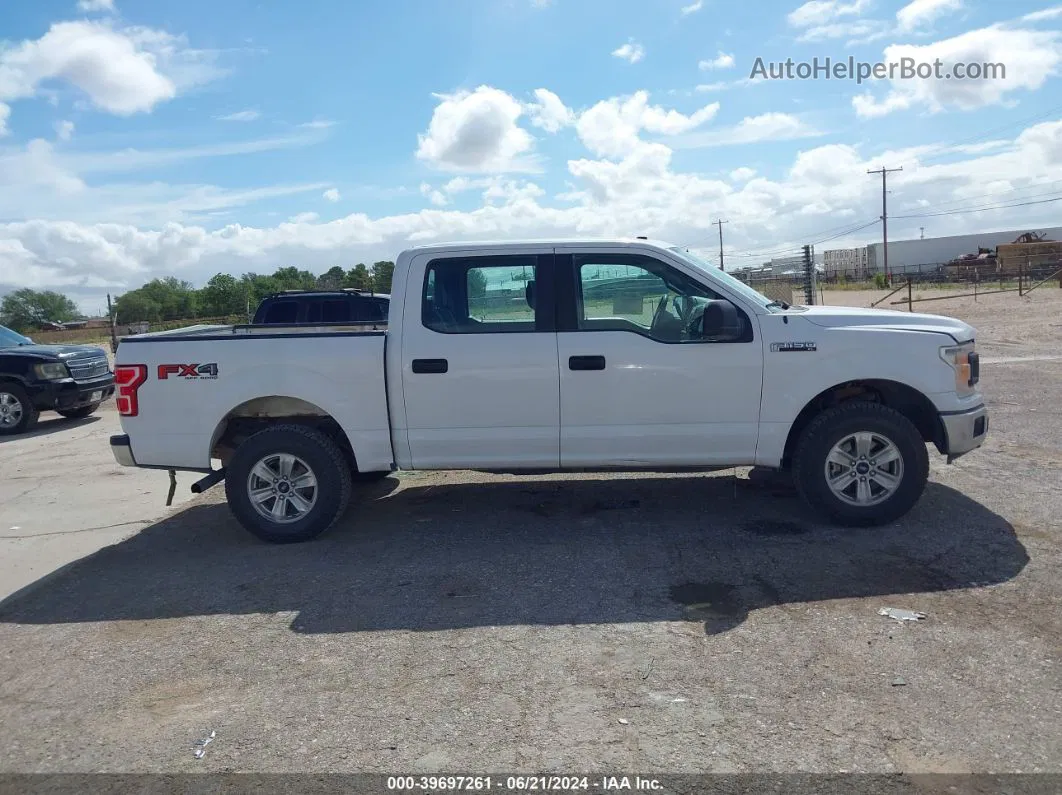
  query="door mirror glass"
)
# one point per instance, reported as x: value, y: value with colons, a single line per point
x: 719, y: 321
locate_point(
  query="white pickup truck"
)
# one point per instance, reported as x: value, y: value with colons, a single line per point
x: 552, y: 356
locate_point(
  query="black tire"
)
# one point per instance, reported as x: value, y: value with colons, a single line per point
x: 79, y: 413
x: 28, y: 413
x: 829, y: 429
x: 323, y: 457
x: 370, y: 477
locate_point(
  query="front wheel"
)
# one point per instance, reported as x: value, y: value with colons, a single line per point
x: 861, y: 464
x: 288, y: 483
x: 17, y: 412
x: 79, y: 413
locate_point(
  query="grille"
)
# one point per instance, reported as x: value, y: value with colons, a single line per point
x: 88, y: 369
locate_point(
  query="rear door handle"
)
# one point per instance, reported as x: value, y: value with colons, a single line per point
x: 430, y: 365
x: 586, y: 362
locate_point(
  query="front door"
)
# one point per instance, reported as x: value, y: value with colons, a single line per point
x: 640, y: 384
x: 479, y: 358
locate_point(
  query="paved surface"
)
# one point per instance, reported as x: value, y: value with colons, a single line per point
x: 467, y: 623
x: 62, y: 496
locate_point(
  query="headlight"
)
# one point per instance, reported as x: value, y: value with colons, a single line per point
x: 963, y: 360
x: 51, y: 371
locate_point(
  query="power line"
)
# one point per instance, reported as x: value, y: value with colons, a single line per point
x: 966, y: 199
x: 981, y: 209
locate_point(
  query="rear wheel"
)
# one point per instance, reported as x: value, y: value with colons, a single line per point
x: 288, y: 483
x: 79, y: 413
x: 17, y: 413
x: 861, y: 464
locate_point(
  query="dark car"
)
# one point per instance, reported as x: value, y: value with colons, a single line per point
x: 70, y: 379
x: 323, y: 306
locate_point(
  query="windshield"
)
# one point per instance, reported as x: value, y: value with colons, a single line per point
x: 733, y: 282
x: 9, y: 338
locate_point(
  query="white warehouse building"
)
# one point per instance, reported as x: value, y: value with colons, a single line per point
x: 910, y: 254
x: 852, y: 262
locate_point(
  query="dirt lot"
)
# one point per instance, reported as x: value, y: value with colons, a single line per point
x: 472, y: 623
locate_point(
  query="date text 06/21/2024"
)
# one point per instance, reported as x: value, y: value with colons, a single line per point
x: 522, y: 784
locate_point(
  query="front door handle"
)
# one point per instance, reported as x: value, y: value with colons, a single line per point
x: 586, y: 362
x: 430, y: 365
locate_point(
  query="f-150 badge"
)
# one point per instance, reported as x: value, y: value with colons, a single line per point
x: 793, y: 347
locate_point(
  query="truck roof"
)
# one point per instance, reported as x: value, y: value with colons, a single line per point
x: 617, y: 242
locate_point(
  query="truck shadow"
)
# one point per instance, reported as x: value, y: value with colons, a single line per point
x: 531, y: 551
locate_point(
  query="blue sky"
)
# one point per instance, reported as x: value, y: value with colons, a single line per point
x: 162, y: 138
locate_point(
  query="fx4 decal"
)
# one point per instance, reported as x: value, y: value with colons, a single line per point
x: 793, y: 347
x: 189, y: 371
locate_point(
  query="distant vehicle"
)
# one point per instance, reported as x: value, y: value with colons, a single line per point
x: 309, y: 307
x: 72, y: 380
x: 509, y: 357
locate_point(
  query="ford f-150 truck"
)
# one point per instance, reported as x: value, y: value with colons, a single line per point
x: 551, y: 356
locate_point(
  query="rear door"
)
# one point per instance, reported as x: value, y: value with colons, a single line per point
x: 480, y: 377
x: 640, y: 386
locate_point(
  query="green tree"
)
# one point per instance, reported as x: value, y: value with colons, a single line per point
x: 477, y: 283
x: 358, y: 277
x: 223, y: 295
x: 382, y: 272
x: 135, y: 306
x: 332, y: 279
x: 257, y: 287
x: 291, y: 278
x: 27, y: 309
x: 174, y: 297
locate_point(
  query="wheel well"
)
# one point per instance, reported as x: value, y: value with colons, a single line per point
x: 905, y: 399
x: 255, y: 415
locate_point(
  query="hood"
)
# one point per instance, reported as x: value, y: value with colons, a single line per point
x: 850, y: 316
x: 60, y: 352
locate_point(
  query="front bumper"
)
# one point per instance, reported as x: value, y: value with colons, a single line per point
x: 964, y: 431
x: 67, y: 393
x: 122, y: 451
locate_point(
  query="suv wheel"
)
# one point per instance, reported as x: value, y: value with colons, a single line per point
x: 17, y: 413
x: 861, y: 464
x: 287, y: 483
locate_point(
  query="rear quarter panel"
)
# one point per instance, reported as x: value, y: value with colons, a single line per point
x: 341, y: 374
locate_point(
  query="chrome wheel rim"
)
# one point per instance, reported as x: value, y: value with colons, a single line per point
x: 864, y: 469
x: 10, y: 410
x: 282, y: 488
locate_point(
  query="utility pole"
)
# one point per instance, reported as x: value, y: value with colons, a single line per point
x: 720, y: 223
x: 921, y: 233
x: 885, y: 216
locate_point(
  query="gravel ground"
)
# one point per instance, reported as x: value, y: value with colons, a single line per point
x: 469, y: 623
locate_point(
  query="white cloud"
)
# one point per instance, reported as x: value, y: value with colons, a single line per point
x: 5, y: 111
x: 436, y: 197
x: 241, y: 115
x: 824, y: 187
x: 922, y: 12
x: 95, y: 5
x: 692, y: 8
x: 822, y: 12
x: 317, y: 124
x: 751, y: 129
x: 862, y: 31
x: 304, y: 218
x: 120, y: 71
x: 548, y: 112
x: 477, y: 131
x: 331, y: 195
x: 721, y: 61
x: 611, y: 128
x: 632, y: 51
x: 1043, y: 15
x: 64, y: 130
x: 742, y: 174
x: 1029, y: 56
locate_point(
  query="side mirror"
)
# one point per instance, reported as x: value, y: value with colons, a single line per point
x: 720, y: 321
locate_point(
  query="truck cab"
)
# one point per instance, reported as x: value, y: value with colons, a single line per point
x: 561, y: 355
